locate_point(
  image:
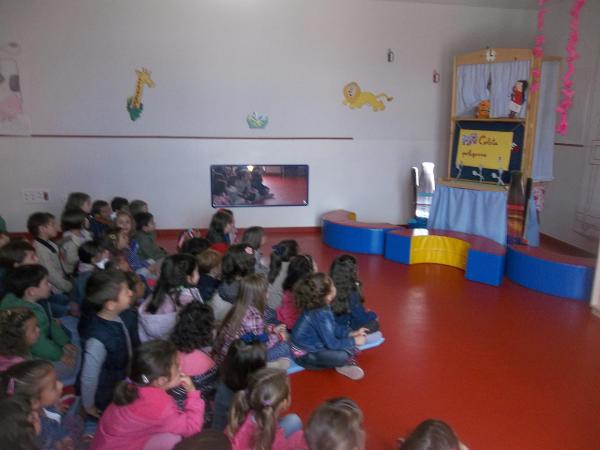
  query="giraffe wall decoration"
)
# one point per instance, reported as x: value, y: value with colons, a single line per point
x: 134, y: 103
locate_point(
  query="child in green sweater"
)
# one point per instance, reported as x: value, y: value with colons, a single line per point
x: 26, y: 285
x: 146, y: 237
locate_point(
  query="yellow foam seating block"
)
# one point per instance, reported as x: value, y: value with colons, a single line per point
x: 439, y: 250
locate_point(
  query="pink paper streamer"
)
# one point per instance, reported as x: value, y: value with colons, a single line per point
x: 538, y: 52
x: 572, y: 56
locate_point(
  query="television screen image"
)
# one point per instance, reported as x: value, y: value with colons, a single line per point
x: 259, y: 185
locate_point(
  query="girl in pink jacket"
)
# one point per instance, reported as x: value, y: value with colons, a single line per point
x: 255, y: 420
x: 143, y: 415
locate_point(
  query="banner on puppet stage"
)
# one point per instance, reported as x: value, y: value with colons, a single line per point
x: 484, y: 148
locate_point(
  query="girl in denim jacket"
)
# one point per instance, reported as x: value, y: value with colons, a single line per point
x: 318, y: 341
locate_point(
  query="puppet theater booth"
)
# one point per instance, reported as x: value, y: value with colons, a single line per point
x: 501, y: 134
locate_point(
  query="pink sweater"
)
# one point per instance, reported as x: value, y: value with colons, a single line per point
x: 244, y: 437
x: 287, y: 313
x: 195, y: 363
x: 129, y: 427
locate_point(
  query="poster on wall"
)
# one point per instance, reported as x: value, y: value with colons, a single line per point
x: 486, y: 151
x: 13, y: 120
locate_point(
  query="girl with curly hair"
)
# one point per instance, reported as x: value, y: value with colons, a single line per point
x: 19, y: 330
x: 318, y: 341
x: 193, y: 337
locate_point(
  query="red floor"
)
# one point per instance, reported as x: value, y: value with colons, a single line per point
x: 507, y: 367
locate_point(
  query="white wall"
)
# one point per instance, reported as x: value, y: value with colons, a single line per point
x: 572, y: 171
x: 76, y: 68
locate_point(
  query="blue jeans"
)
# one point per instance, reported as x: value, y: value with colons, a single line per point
x: 290, y: 424
x: 223, y: 399
x: 325, y: 359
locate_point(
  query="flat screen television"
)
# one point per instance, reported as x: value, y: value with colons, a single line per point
x: 259, y: 185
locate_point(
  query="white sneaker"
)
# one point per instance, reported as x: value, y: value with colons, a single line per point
x: 352, y: 372
x: 280, y: 363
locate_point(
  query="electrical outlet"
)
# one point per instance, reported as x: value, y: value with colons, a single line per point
x: 35, y: 196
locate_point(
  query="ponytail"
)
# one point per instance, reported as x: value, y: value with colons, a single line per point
x: 282, y: 252
x: 274, y: 266
x: 237, y: 413
x: 267, y: 390
x: 266, y: 420
x: 125, y: 393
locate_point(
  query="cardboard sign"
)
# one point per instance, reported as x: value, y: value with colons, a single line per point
x: 484, y: 148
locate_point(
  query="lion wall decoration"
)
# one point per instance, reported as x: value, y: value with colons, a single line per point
x: 354, y: 97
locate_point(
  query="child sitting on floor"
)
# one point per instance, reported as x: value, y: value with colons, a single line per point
x: 143, y: 415
x: 255, y: 238
x: 238, y: 262
x: 194, y: 245
x: 116, y: 241
x: 148, y: 269
x: 220, y: 229
x: 146, y: 236
x: 138, y: 206
x: 100, y: 218
x: 432, y: 434
x: 247, y: 317
x: 244, y: 357
x: 348, y: 305
x: 19, y: 424
x: 15, y: 254
x: 118, y: 204
x: 42, y: 227
x: 36, y: 381
x: 281, y: 255
x: 79, y: 201
x: 210, y: 268
x: 175, y: 288
x: 337, y: 424
x: 205, y: 440
x: 92, y: 255
x: 319, y: 342
x: 19, y: 330
x: 27, y: 285
x: 73, y: 223
x: 300, y: 266
x: 108, y: 340
x: 193, y: 337
x: 254, y: 419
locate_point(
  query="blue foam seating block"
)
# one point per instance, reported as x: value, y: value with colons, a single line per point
x: 295, y: 368
x: 485, y: 267
x: 482, y: 266
x: 354, y: 239
x: 550, y: 277
x: 397, y: 248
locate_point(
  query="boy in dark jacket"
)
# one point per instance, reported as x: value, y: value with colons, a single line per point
x: 109, y: 340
